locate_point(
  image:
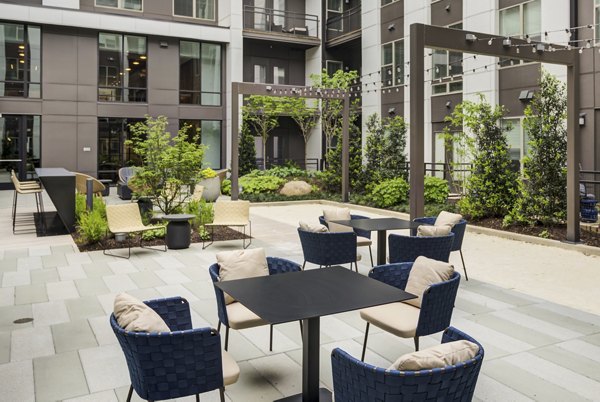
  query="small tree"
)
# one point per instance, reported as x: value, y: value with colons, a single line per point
x: 332, y: 109
x: 306, y: 117
x: 543, y: 196
x: 262, y: 112
x: 168, y: 163
x: 394, y: 155
x: 333, y: 174
x: 491, y: 187
x: 247, y: 149
x: 374, y: 150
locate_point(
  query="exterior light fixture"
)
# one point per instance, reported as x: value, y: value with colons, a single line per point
x: 470, y: 38
x: 506, y: 42
x: 391, y: 27
x: 163, y: 44
x: 540, y: 48
x: 581, y: 119
x: 392, y: 111
x: 447, y: 8
x: 448, y: 104
x: 269, y: 88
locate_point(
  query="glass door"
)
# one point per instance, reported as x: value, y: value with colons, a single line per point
x: 20, y: 142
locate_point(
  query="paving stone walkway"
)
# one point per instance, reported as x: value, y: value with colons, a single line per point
x: 540, y: 344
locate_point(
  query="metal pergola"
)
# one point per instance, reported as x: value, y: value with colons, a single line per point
x: 427, y: 36
x: 244, y: 88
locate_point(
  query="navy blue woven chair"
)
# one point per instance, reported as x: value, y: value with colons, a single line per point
x: 406, y: 320
x: 183, y: 362
x: 355, y: 381
x: 459, y: 234
x: 363, y: 237
x: 328, y: 248
x: 236, y: 315
x: 408, y: 248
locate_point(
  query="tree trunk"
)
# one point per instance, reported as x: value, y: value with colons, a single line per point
x: 264, y: 144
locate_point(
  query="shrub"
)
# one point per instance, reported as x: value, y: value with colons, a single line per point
x: 226, y: 187
x: 202, y: 210
x: 208, y: 173
x: 260, y: 184
x: 92, y: 226
x: 436, y: 190
x: 247, y: 148
x: 389, y: 192
x: 81, y: 207
x: 153, y: 234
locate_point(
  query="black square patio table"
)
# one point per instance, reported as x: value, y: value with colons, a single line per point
x: 381, y: 225
x: 306, y: 296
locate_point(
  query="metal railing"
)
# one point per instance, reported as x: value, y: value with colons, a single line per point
x: 280, y: 21
x: 345, y: 23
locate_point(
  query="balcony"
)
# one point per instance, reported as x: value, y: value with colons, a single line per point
x: 281, y: 26
x: 344, y: 27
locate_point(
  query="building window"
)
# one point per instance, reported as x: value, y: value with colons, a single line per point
x: 199, y: 73
x: 517, y: 140
x: 446, y: 70
x: 386, y: 2
x: 210, y: 136
x: 332, y: 66
x: 392, y: 63
x: 335, y: 10
x: 597, y: 19
x: 20, y: 60
x: 113, y: 152
x: 122, y: 66
x: 522, y: 20
x: 20, y: 136
x: 135, y: 5
x: 202, y: 9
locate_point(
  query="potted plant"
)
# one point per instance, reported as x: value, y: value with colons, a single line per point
x: 212, y: 184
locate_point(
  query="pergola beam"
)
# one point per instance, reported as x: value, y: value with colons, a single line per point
x: 427, y: 36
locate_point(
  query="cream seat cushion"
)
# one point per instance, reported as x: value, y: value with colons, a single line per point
x: 133, y: 314
x: 231, y: 371
x: 239, y: 264
x: 318, y: 228
x: 424, y: 273
x: 397, y: 318
x: 337, y: 214
x: 363, y: 241
x: 447, y: 218
x: 241, y: 317
x: 430, y: 231
x: 446, y: 354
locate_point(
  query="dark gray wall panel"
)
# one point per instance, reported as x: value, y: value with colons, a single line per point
x: 442, y: 16
x: 20, y: 106
x: 512, y: 81
x: 438, y: 106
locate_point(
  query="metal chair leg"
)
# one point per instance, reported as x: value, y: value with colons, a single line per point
x: 416, y: 343
x: 130, y: 393
x: 303, y: 264
x: 197, y: 397
x: 463, y: 263
x: 301, y: 330
x: 219, y: 327
x: 222, y: 394
x: 226, y: 337
x: 371, y: 255
x: 362, y: 358
x: 271, y: 338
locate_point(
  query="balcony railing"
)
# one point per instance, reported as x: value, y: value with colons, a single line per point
x: 344, y: 24
x: 281, y: 22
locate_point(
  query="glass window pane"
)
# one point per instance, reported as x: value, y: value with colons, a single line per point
x: 205, y: 9
x: 597, y: 26
x: 334, y: 5
x: 132, y: 4
x: 110, y: 68
x: 184, y: 8
x: 455, y: 63
x: 210, y: 134
x: 399, y: 62
x: 278, y: 75
x: 440, y: 64
x: 107, y: 3
x: 513, y: 137
x: 12, y: 60
x: 532, y: 19
x: 387, y: 54
x: 510, y: 22
x: 189, y: 70
x: 260, y: 74
x: 211, y: 73
x: 455, y: 86
x: 439, y: 89
x: 34, y: 47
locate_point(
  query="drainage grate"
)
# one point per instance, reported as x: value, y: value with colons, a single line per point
x: 22, y: 320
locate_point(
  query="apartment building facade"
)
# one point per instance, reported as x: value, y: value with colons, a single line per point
x: 75, y: 73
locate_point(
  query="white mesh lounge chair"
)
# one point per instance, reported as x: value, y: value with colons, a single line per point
x: 231, y: 213
x: 126, y: 218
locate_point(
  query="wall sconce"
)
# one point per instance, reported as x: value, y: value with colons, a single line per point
x: 470, y: 38
x: 269, y: 88
x: 447, y: 8
x: 391, y: 27
x: 392, y: 111
x: 164, y: 44
x: 581, y: 119
x: 448, y: 104
x: 540, y: 48
x: 506, y: 42
x: 526, y: 95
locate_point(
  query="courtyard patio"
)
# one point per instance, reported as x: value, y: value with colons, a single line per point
x: 533, y: 306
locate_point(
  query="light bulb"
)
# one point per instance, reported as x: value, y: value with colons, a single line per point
x: 490, y: 42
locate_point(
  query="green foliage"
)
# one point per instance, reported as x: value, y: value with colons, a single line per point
x: 436, y: 190
x: 247, y: 149
x: 93, y: 226
x: 168, y: 163
x: 273, y: 197
x: 152, y: 234
x: 202, y: 210
x: 542, y: 196
x: 332, y: 177
x: 283, y: 172
x: 262, y: 113
x: 207, y: 173
x: 226, y: 187
x: 544, y: 234
x: 305, y: 116
x: 81, y: 207
x: 385, y: 156
x: 389, y: 192
x: 260, y: 184
x: 491, y: 187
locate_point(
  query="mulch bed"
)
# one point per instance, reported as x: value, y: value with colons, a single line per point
x: 221, y: 233
x: 590, y: 237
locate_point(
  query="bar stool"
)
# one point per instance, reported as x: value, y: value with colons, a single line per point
x: 26, y: 187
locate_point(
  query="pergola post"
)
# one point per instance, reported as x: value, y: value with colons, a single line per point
x: 573, y: 153
x: 346, y: 148
x: 235, y: 140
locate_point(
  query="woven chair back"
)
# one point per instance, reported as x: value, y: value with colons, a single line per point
x: 124, y: 218
x: 81, y: 184
x: 232, y: 212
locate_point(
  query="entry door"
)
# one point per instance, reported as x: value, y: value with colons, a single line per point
x: 20, y: 147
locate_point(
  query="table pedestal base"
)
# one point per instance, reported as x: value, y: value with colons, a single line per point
x: 324, y: 396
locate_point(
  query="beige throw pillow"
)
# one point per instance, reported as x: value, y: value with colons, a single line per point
x: 133, y: 315
x: 446, y: 354
x: 424, y: 273
x: 239, y: 264
x: 337, y: 214
x: 430, y: 231
x: 318, y: 228
x: 447, y: 218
